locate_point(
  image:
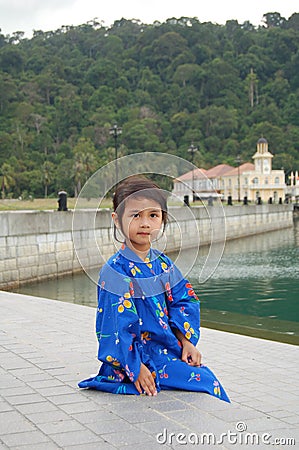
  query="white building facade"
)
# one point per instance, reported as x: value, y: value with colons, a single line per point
x: 256, y: 182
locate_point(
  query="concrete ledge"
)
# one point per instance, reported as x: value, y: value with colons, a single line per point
x: 44, y: 239
x: 46, y: 347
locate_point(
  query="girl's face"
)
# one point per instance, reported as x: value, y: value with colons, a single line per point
x: 140, y: 223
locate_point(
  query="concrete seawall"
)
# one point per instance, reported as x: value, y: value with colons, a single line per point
x: 36, y: 245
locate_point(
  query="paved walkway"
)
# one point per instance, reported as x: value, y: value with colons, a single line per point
x: 46, y: 347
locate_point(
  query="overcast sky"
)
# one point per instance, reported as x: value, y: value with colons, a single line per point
x: 46, y: 15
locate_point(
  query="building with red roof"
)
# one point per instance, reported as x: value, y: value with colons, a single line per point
x: 254, y: 181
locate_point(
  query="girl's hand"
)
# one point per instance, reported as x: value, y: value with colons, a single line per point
x: 190, y: 354
x: 145, y: 381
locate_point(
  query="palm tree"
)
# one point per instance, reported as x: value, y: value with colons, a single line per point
x: 48, y: 169
x: 84, y: 162
x: 78, y: 173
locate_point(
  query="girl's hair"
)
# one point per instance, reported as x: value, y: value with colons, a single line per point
x: 137, y: 186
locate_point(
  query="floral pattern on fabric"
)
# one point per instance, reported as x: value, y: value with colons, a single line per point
x: 139, y: 305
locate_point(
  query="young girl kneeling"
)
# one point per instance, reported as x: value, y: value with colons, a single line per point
x: 147, y: 321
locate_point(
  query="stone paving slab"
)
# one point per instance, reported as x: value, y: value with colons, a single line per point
x: 47, y: 346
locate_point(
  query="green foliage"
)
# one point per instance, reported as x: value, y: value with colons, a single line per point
x: 166, y: 84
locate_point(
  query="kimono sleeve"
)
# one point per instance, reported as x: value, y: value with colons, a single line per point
x: 118, y: 329
x: 183, y: 306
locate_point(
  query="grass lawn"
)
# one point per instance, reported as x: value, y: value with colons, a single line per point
x: 42, y: 204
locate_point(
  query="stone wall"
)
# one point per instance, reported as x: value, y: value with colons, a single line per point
x: 35, y: 245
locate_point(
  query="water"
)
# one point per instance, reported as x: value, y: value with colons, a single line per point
x: 254, y: 290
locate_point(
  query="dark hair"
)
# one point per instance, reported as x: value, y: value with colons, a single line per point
x: 137, y: 186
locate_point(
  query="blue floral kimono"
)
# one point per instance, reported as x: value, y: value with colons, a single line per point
x: 139, y: 304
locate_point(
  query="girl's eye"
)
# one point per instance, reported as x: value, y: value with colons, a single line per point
x: 136, y: 215
x: 154, y: 215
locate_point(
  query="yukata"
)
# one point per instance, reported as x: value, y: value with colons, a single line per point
x: 139, y: 305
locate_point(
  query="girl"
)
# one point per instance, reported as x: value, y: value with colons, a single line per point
x: 147, y: 321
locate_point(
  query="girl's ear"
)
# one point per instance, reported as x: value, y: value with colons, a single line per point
x: 115, y: 219
x: 117, y: 226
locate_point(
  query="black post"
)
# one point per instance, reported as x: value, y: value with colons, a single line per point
x: 192, y: 149
x: 186, y: 200
x: 62, y: 201
x: 238, y: 160
x: 115, y: 131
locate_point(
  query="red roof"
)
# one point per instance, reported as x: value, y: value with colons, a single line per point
x: 218, y: 171
x: 197, y: 173
x: 246, y: 167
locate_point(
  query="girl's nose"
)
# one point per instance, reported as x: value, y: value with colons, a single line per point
x: 144, y: 222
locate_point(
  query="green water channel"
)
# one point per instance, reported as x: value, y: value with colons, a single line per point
x: 253, y: 291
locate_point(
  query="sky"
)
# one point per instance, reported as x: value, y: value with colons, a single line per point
x: 49, y: 15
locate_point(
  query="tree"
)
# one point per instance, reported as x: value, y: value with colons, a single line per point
x: 38, y: 121
x: 293, y: 22
x: 252, y: 87
x: 274, y: 19
x: 188, y: 73
x: 278, y: 89
x: 166, y: 48
x: 167, y: 84
x: 8, y: 91
x: 102, y: 73
x: 69, y: 114
x: 285, y: 161
x: 48, y: 171
x: 141, y: 136
x: 11, y: 59
x: 291, y: 108
x: 219, y: 75
x: 47, y: 86
x: 16, y: 37
x: 7, y: 180
x: 218, y: 121
x: 84, y: 162
x: 112, y: 48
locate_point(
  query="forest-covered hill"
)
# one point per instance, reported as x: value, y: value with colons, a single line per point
x: 167, y: 85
